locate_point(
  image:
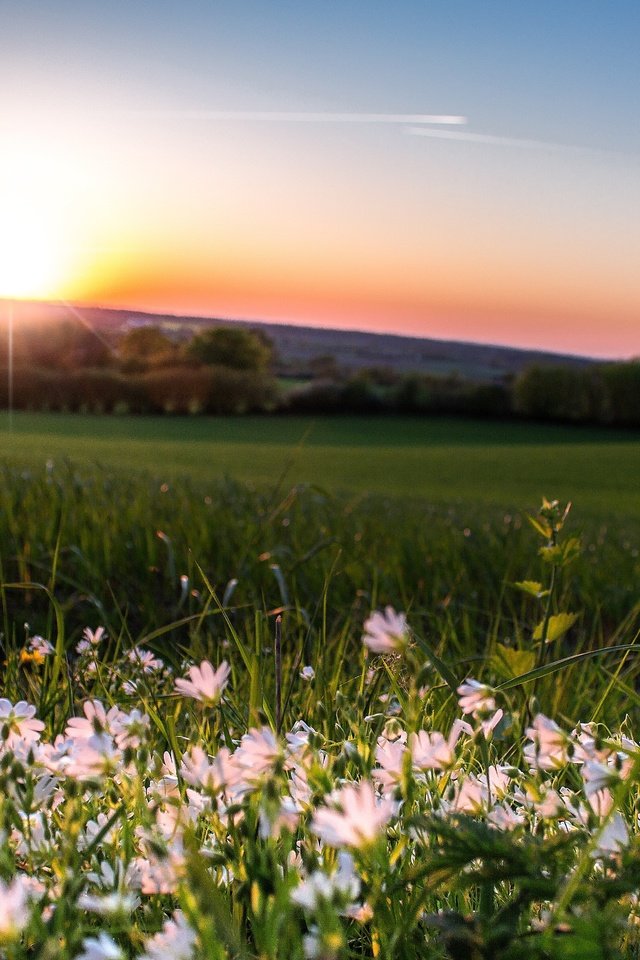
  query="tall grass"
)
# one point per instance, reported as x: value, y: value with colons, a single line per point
x: 177, y: 565
x: 378, y: 803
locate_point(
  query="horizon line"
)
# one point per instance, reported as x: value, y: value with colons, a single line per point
x: 170, y: 314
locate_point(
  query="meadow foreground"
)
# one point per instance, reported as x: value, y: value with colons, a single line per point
x: 271, y: 782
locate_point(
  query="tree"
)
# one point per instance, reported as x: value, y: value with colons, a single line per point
x: 146, y: 346
x: 233, y: 347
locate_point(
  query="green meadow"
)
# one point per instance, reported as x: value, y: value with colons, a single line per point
x: 138, y: 554
x: 509, y: 465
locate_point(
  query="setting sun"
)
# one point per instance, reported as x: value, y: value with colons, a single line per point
x: 30, y: 257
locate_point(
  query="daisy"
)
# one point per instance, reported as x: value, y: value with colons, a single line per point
x: 204, y: 684
x: 385, y: 632
x: 257, y: 754
x: 18, y: 723
x: 353, y: 817
x: 476, y: 698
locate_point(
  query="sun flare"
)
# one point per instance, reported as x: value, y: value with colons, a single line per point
x: 30, y: 253
x: 36, y: 221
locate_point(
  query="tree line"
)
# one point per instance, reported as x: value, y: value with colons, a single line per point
x: 233, y: 370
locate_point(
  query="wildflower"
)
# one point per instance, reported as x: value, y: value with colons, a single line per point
x: 502, y: 817
x: 470, y: 796
x: 278, y: 816
x: 257, y: 754
x: 146, y: 660
x: 390, y: 760
x: 109, y: 904
x: 307, y: 673
x: 160, y: 872
x: 550, y: 745
x: 96, y: 720
x: 205, y: 683
x: 14, y: 912
x: 18, y: 723
x: 476, y: 698
x: 318, y: 887
x: 101, y: 947
x: 36, y: 650
x: 95, y: 756
x: 90, y: 640
x: 613, y: 838
x: 130, y: 729
x: 353, y: 817
x: 385, y: 632
x: 175, y: 941
x: 211, y: 775
x: 298, y: 749
x: 430, y: 751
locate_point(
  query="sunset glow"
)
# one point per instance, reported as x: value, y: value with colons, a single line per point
x: 379, y: 170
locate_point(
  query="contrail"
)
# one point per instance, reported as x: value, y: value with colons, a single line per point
x: 305, y: 117
x: 468, y: 137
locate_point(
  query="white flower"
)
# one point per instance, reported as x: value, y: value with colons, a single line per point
x: 470, y: 796
x: 108, y: 904
x: 96, y: 720
x: 390, y: 760
x: 90, y: 640
x: 146, y: 660
x: 430, y: 751
x: 101, y: 947
x: 18, y: 723
x: 307, y: 673
x: 96, y: 756
x: 39, y: 645
x: 343, y: 884
x: 354, y: 817
x: 257, y: 754
x: 476, y: 698
x: 550, y: 746
x: 502, y: 817
x: 385, y: 632
x: 174, y: 942
x: 613, y: 838
x: 205, y: 684
x: 14, y: 912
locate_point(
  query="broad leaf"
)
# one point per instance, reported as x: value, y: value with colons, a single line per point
x: 556, y: 628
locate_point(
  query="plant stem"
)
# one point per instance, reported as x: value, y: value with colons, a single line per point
x: 278, y: 666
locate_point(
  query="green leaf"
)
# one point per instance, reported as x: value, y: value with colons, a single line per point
x: 509, y: 663
x: 445, y: 672
x: 543, y: 528
x: 532, y: 587
x: 566, y: 662
x: 556, y: 627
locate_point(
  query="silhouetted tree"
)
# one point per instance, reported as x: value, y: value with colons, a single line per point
x: 233, y: 347
x: 144, y: 347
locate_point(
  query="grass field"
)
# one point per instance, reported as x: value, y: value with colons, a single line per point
x: 406, y: 813
x: 509, y: 465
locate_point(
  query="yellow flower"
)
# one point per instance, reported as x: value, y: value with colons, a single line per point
x: 31, y: 656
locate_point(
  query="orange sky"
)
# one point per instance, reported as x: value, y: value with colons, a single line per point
x: 215, y: 171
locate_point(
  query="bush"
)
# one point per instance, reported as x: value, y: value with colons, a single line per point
x: 212, y: 389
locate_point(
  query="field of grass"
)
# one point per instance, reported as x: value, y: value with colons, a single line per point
x: 373, y: 804
x: 509, y: 465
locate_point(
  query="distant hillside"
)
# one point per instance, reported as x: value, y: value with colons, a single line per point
x: 298, y: 347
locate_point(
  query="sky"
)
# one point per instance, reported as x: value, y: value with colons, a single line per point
x: 459, y: 170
